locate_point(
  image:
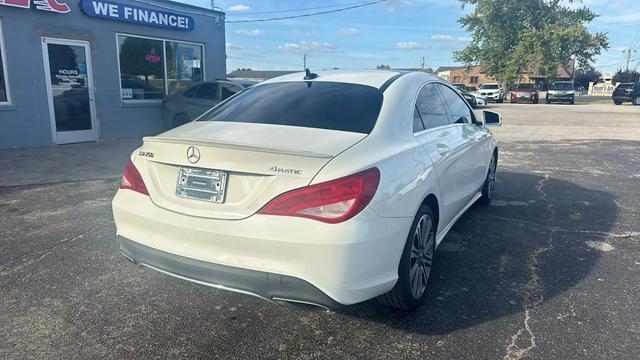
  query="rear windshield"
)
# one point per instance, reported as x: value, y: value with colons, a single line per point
x: 313, y: 104
x: 625, y: 86
x: 525, y: 86
x: 490, y: 87
x: 562, y: 86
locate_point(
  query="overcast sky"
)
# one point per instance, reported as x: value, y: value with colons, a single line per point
x: 397, y: 32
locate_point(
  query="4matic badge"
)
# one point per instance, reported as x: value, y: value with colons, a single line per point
x: 280, y: 170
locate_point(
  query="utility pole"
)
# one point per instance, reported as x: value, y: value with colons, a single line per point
x: 629, y: 51
x: 423, y: 63
x: 305, y: 61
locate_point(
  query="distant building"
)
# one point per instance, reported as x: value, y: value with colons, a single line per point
x: 257, y: 75
x: 475, y: 76
x: 471, y: 78
x: 604, y: 88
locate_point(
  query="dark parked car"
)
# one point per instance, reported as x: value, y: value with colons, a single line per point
x: 627, y: 92
x: 524, y: 92
x: 562, y: 91
x: 473, y: 99
x: 187, y: 104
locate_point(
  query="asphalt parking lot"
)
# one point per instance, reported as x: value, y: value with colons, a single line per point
x: 550, y: 271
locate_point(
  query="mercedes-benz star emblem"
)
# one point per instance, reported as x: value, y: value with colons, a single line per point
x: 193, y: 154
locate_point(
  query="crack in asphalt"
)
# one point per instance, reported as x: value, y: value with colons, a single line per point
x: 628, y: 234
x: 533, y: 293
x: 29, y: 261
x: 624, y: 207
x: 41, y: 184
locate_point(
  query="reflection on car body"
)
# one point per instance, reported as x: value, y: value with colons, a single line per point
x: 187, y: 104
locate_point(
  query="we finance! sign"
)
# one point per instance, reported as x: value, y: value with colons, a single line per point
x: 46, y: 5
x: 138, y: 15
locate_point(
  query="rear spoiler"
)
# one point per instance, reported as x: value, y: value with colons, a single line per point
x: 235, y: 146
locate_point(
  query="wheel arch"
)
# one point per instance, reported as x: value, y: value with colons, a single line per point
x: 432, y: 201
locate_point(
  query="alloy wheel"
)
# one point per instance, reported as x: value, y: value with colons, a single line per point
x: 636, y: 100
x: 422, y: 248
x: 492, y: 177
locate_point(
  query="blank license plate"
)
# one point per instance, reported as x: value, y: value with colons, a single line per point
x: 202, y: 184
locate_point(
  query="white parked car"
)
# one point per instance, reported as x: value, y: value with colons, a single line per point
x: 492, y: 92
x: 325, y: 190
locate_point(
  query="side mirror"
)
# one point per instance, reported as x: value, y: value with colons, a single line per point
x: 492, y: 119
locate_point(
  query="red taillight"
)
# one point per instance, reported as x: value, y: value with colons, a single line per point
x: 331, y: 202
x: 132, y: 180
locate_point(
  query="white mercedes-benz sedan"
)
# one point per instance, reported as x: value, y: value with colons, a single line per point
x: 325, y: 189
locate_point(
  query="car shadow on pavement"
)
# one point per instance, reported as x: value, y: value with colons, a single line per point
x: 533, y: 243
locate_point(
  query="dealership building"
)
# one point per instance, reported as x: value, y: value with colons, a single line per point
x: 89, y: 70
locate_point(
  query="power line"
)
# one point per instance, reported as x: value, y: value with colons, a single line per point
x: 311, y: 14
x: 300, y: 9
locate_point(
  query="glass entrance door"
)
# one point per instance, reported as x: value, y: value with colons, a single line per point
x: 70, y: 89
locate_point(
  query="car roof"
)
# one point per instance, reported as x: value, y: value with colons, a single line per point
x: 375, y: 78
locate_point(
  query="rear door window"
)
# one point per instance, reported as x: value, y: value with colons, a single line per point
x: 207, y: 91
x: 228, y: 90
x: 431, y: 108
x: 191, y: 93
x: 313, y: 104
x: 460, y: 112
x: 418, y: 125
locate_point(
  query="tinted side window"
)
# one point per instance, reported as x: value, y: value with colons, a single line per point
x: 228, y: 90
x: 458, y: 108
x: 417, y: 121
x: 191, y: 93
x: 208, y: 91
x: 431, y: 107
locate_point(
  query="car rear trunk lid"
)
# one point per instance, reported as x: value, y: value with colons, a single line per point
x: 261, y: 161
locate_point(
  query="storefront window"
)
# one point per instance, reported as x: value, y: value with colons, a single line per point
x: 184, y: 65
x: 141, y: 68
x: 151, y: 68
x: 4, y: 93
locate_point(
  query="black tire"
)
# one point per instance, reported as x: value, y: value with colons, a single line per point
x: 180, y: 119
x: 617, y: 102
x: 489, y: 183
x: 416, y: 262
x: 636, y: 100
x: 501, y: 100
x: 548, y: 101
x: 573, y: 101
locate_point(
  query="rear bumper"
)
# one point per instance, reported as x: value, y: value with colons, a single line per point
x: 264, y: 285
x: 349, y: 262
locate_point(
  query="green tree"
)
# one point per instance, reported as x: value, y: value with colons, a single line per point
x: 536, y: 36
x: 585, y: 75
x: 626, y: 76
x: 383, y: 67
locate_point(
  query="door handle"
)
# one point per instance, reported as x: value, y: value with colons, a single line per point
x: 443, y: 149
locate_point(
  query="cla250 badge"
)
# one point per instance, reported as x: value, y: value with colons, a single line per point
x: 148, y: 154
x: 280, y: 170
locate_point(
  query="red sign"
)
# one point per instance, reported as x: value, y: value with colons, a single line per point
x: 46, y: 5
